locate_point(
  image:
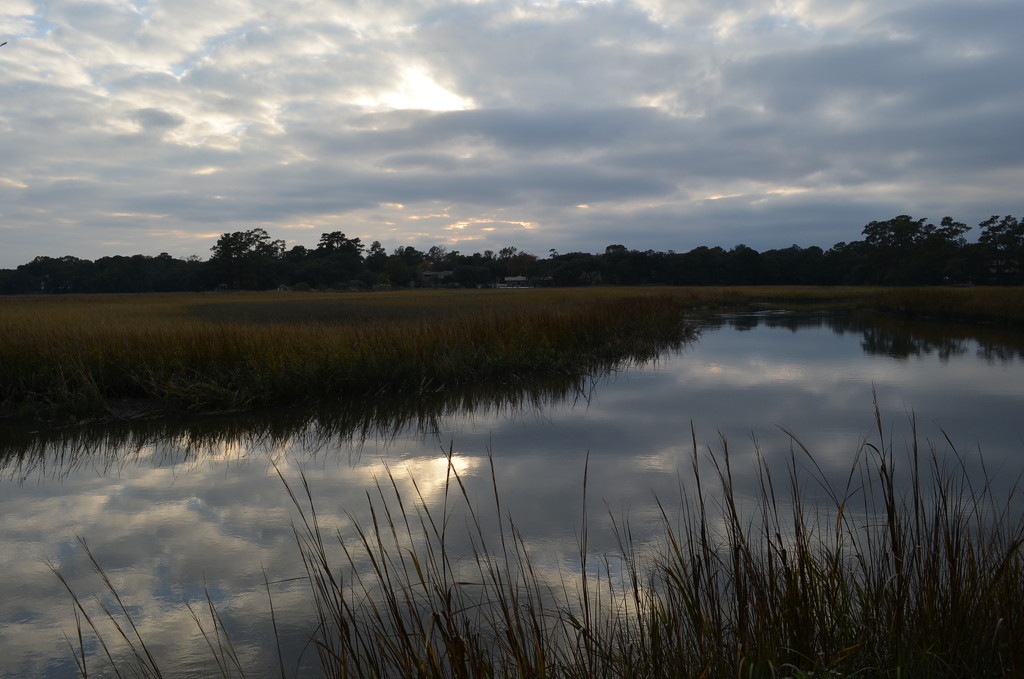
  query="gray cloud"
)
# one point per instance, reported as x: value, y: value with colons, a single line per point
x: 132, y: 128
x: 156, y: 120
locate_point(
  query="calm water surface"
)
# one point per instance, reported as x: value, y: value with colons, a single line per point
x: 169, y: 509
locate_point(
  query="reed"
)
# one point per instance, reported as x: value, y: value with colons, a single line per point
x: 968, y: 304
x: 910, y: 567
x: 107, y: 355
x: 1001, y: 306
x: 117, y: 356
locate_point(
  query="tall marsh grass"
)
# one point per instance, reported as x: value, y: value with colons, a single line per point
x: 910, y: 567
x: 1000, y: 306
x: 102, y: 355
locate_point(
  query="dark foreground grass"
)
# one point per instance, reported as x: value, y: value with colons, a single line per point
x: 910, y: 568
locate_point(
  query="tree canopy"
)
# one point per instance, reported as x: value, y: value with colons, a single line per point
x: 902, y: 250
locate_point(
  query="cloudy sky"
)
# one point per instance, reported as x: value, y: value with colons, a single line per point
x: 153, y: 126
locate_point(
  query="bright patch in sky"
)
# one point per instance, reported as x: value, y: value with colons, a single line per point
x: 686, y: 122
x: 416, y: 90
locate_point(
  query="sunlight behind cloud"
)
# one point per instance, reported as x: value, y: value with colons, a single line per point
x: 13, y: 182
x: 675, y: 121
x: 133, y: 215
x: 669, y: 103
x: 476, y: 221
x: 212, y: 130
x: 416, y: 90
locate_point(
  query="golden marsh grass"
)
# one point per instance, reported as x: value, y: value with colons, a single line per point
x: 89, y: 356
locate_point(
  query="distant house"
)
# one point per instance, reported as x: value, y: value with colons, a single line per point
x: 516, y: 282
x: 999, y: 270
x: 434, y: 278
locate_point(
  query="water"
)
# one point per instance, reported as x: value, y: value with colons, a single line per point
x: 176, y: 511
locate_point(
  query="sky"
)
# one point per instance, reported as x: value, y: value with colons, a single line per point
x: 149, y: 126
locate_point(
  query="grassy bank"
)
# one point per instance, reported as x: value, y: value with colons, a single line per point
x: 999, y: 306
x: 74, y: 358
x: 1002, y: 306
x: 92, y: 356
x: 908, y: 568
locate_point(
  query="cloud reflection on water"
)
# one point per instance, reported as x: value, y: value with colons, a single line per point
x: 168, y: 507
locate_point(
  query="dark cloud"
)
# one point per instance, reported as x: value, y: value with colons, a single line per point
x: 145, y: 128
x: 154, y: 119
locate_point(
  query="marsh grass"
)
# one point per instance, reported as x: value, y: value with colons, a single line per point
x: 999, y: 306
x: 909, y: 567
x: 90, y: 357
x: 1003, y: 306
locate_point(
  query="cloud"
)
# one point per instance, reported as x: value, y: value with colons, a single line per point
x: 167, y: 515
x: 811, y: 117
x: 154, y: 119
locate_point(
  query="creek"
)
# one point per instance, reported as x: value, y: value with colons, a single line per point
x: 178, y: 511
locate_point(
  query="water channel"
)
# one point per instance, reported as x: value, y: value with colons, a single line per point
x: 176, y: 511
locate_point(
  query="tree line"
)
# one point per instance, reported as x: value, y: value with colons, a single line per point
x: 897, y: 251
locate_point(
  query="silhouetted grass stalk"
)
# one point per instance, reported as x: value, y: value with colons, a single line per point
x: 886, y: 579
x: 911, y: 567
